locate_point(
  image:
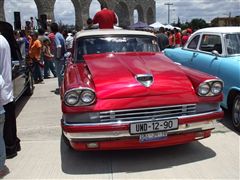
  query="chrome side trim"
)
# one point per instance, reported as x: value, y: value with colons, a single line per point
x: 185, y: 128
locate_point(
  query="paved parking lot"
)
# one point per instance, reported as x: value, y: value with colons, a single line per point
x: 45, y: 156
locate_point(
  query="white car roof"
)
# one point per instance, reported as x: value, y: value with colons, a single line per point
x: 227, y: 29
x: 96, y: 32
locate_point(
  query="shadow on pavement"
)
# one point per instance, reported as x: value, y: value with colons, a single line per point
x: 19, y: 105
x: 100, y: 162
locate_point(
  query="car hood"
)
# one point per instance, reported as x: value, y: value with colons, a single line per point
x: 115, y: 75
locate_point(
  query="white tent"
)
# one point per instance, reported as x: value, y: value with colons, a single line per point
x: 169, y: 26
x: 178, y: 28
x: 157, y: 25
x: 172, y: 27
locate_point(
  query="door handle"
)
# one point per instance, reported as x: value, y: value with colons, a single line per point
x: 194, y: 55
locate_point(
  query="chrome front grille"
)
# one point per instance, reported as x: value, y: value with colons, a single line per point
x: 153, y: 113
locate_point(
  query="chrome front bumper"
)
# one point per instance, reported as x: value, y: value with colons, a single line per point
x: 182, y: 129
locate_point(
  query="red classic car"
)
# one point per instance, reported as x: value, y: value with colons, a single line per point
x: 120, y: 92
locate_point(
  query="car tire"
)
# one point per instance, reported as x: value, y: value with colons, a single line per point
x: 66, y: 141
x: 236, y: 113
x: 30, y: 85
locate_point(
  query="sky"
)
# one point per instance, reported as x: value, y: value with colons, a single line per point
x: 186, y: 10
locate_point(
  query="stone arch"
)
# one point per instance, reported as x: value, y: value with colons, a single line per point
x: 140, y: 12
x: 85, y: 5
x: 24, y: 16
x: 78, y: 14
x: 122, y: 11
x: 94, y: 8
x: 67, y: 13
x: 2, y: 13
x: 46, y: 7
x: 123, y: 8
x: 150, y: 16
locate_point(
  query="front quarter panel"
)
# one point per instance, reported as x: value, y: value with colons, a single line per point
x: 179, y: 55
x: 76, y: 76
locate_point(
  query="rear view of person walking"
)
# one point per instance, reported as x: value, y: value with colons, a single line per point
x: 162, y: 38
x: 106, y: 18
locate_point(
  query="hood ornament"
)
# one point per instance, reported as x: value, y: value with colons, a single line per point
x: 145, y: 79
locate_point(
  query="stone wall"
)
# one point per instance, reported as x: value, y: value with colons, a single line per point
x: 124, y: 9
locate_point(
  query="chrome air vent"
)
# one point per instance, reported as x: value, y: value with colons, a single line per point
x: 145, y: 79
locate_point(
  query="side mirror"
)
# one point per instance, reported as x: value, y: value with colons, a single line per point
x: 215, y: 52
x: 15, y: 64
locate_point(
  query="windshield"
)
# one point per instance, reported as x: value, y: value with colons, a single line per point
x: 233, y: 43
x: 102, y: 44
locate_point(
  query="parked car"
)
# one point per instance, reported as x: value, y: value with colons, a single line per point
x: 21, y: 72
x: 215, y: 51
x: 120, y: 92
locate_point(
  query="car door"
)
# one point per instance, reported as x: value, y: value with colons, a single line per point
x: 18, y: 75
x: 204, y: 59
x: 18, y: 64
x: 186, y: 54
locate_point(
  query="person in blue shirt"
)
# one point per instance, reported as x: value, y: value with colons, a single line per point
x: 60, y: 49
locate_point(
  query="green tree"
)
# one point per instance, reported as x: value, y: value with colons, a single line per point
x: 196, y: 24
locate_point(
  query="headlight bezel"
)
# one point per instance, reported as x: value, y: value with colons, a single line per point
x: 220, y: 89
x: 210, y: 84
x: 201, y: 86
x: 67, y: 95
x: 87, y: 91
x: 78, y: 92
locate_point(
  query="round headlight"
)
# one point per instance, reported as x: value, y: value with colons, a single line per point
x: 72, y: 98
x: 204, y: 89
x: 87, y: 96
x: 216, y: 88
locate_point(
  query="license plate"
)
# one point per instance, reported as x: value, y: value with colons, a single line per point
x: 153, y: 126
x: 149, y: 137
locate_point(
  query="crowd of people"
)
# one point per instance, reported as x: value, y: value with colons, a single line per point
x: 172, y: 38
x: 44, y: 51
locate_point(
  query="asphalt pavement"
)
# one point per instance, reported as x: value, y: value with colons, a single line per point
x: 45, y: 156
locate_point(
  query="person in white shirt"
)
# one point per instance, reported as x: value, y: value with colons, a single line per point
x: 12, y: 142
x: 3, y: 168
x: 69, y: 42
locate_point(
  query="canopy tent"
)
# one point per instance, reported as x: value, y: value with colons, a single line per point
x: 178, y: 28
x: 157, y: 25
x: 169, y: 26
x: 140, y: 26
